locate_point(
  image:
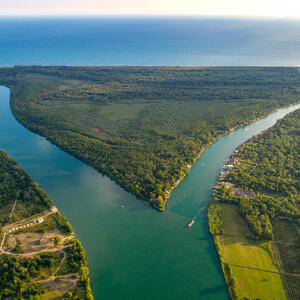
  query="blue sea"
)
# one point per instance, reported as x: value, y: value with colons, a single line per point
x: 149, y: 41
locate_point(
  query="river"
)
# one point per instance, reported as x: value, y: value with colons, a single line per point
x: 134, y: 252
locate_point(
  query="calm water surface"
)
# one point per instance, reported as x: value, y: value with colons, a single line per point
x: 149, y: 41
x: 133, y: 252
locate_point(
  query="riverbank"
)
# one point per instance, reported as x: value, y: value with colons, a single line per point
x: 149, y: 129
x: 188, y: 167
x: 114, y: 236
x: 35, y: 236
x: 249, y: 255
x: 250, y: 267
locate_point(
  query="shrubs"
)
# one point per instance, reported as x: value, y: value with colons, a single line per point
x: 77, y: 263
x: 16, y: 184
x: 56, y: 240
x: 62, y: 223
x: 75, y: 256
x: 214, y: 219
x: 16, y: 276
x: 230, y: 280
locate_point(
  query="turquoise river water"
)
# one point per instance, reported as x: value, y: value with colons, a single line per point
x: 134, y: 252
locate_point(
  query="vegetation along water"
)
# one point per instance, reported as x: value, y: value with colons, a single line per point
x: 254, y: 214
x: 144, y: 127
x: 39, y: 256
x: 133, y: 251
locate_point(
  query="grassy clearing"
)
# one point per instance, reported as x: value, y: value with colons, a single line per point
x: 129, y: 111
x: 57, y: 288
x: 255, y: 284
x: 243, y: 254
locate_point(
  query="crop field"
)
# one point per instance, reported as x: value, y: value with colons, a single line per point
x: 252, y: 263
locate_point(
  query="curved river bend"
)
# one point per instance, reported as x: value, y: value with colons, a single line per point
x: 134, y: 252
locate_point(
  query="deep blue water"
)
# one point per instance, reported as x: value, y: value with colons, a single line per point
x: 148, y: 41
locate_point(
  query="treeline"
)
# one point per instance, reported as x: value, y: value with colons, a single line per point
x: 168, y: 115
x: 62, y: 223
x: 17, y: 277
x: 20, y: 276
x: 16, y: 184
x: 77, y: 263
x: 269, y: 166
x: 218, y: 83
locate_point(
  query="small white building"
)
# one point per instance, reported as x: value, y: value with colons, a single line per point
x: 40, y: 220
x: 53, y: 208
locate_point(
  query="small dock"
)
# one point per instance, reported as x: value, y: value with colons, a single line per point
x: 193, y: 220
x: 191, y: 223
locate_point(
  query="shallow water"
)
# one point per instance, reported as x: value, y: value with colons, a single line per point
x: 133, y: 252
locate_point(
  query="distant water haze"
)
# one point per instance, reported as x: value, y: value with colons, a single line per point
x: 149, y: 41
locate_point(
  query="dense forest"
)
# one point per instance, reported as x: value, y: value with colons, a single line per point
x: 16, y: 184
x: 270, y: 166
x: 144, y: 126
x: 24, y: 275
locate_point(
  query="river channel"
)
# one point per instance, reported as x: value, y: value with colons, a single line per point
x: 134, y: 252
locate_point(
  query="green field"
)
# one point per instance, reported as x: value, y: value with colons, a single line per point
x: 142, y: 126
x: 250, y: 261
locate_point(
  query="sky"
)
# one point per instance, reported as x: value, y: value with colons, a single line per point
x: 248, y: 8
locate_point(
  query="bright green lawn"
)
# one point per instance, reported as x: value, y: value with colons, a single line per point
x: 241, y: 253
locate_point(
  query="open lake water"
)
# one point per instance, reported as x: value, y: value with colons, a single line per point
x: 149, y: 41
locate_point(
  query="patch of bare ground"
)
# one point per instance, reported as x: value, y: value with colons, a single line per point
x: 101, y: 131
x: 10, y: 242
x: 244, y: 193
x: 32, y: 241
x: 237, y: 191
x: 58, y: 286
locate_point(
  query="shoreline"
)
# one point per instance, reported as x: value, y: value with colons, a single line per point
x: 226, y: 268
x: 39, y: 230
x: 214, y: 141
x: 148, y: 202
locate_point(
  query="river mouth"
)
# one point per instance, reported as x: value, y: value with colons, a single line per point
x: 134, y: 252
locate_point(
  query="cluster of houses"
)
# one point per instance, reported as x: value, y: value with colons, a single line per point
x: 53, y: 209
x: 35, y: 221
x: 226, y: 168
x: 224, y: 172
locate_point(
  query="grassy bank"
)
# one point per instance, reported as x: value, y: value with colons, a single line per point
x: 250, y: 267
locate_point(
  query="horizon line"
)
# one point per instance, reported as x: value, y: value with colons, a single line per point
x: 136, y: 16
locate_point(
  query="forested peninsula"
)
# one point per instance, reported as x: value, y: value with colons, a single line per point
x: 254, y: 215
x: 144, y: 127
x: 40, y: 258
